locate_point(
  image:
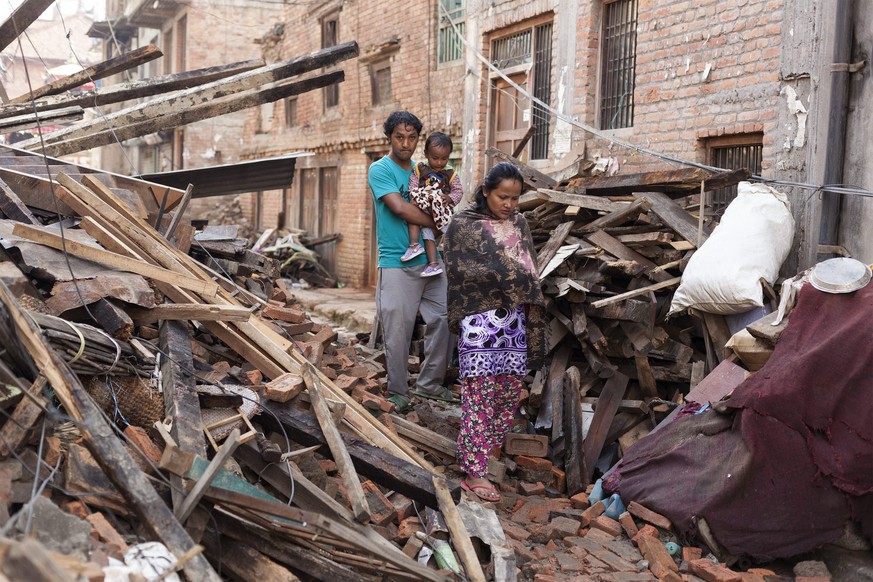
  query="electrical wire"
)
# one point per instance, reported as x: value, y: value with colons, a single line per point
x: 837, y: 188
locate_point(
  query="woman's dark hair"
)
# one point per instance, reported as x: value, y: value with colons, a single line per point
x: 437, y: 139
x: 497, y: 174
x: 401, y: 118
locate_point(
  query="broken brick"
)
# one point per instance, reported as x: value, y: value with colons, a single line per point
x: 289, y: 314
x: 345, y: 382
x: 145, y: 453
x: 710, y: 572
x: 382, y: 511
x: 647, y: 515
x: 408, y: 527
x: 284, y: 388
x: 556, y: 529
x: 525, y: 462
x: 102, y: 530
x: 660, y: 560
x: 646, y: 530
x: 529, y: 489
x: 592, y: 512
x: 607, y: 525
x: 580, y: 501
x: 559, y: 479
x: 628, y: 524
x: 691, y: 553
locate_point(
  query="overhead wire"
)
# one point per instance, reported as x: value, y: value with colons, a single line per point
x: 838, y: 188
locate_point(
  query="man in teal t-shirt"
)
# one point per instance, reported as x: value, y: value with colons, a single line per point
x: 401, y: 291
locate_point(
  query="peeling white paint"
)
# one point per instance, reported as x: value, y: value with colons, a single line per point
x: 799, y: 111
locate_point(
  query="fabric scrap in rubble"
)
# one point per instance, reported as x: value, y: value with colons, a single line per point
x: 792, y: 459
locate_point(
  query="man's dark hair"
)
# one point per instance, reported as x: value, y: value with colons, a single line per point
x: 401, y: 118
x: 438, y: 139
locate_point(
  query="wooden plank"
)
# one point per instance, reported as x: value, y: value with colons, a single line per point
x: 610, y: 399
x: 102, y: 70
x: 16, y: 430
x: 138, y: 126
x: 612, y: 246
x: 554, y: 389
x: 12, y: 206
x: 574, y: 460
x: 581, y: 200
x: 189, y: 312
x: 101, y: 440
x: 338, y: 450
x: 764, y: 330
x: 675, y: 217
x: 619, y: 216
x: 717, y: 384
x: 534, y: 179
x: 20, y: 19
x: 672, y: 180
x: 119, y: 92
x: 203, y: 93
x: 288, y: 480
x: 350, y: 534
x: 635, y: 293
x: 111, y: 259
x: 460, y: 537
x: 313, y: 563
x: 371, y: 462
x: 183, y: 510
x: 181, y: 403
x: 31, y: 121
x: 245, y: 562
x: 548, y: 251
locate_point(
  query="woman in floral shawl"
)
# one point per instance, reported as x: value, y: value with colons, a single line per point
x: 496, y: 306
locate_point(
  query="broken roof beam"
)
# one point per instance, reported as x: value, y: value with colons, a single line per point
x: 675, y: 183
x: 204, y: 93
x: 21, y: 18
x: 29, y: 120
x: 185, y: 115
x: 99, y: 71
x: 100, y: 439
x: 132, y: 90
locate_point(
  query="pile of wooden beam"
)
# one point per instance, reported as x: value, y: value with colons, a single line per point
x: 610, y: 255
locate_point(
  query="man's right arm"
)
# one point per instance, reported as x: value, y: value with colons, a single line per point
x: 408, y: 211
x: 384, y: 189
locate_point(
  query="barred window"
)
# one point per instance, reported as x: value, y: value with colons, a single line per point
x: 533, y: 47
x: 733, y: 152
x: 618, y: 64
x: 449, y: 45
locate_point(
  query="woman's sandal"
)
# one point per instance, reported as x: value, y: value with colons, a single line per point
x: 483, y: 492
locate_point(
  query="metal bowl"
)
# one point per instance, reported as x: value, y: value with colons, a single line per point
x: 840, y: 275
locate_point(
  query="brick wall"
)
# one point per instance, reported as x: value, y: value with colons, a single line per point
x: 347, y: 135
x: 675, y: 107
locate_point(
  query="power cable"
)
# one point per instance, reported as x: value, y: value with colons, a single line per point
x: 838, y: 188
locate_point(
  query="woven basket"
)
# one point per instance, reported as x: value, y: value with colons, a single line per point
x: 129, y: 397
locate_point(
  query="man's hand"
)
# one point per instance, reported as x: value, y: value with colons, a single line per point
x: 409, y: 212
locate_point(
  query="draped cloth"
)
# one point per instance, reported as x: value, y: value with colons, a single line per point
x: 491, y: 263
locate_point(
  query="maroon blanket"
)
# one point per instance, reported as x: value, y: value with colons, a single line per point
x: 792, y: 460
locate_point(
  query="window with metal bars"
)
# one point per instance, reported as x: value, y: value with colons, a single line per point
x: 618, y: 64
x: 532, y: 46
x: 329, y: 38
x: 449, y: 45
x: 733, y: 152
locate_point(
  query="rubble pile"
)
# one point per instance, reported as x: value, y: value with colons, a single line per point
x: 171, y: 406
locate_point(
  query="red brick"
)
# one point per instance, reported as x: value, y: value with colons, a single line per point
x: 646, y: 530
x: 382, y: 511
x: 628, y: 524
x: 559, y: 480
x: 284, y: 388
x: 531, y: 445
x: 102, y: 530
x: 660, y: 560
x: 649, y: 516
x: 592, y: 512
x: 408, y: 527
x: 77, y: 508
x: 580, y: 501
x: 710, y: 572
x: 529, y: 489
x: 691, y: 553
x: 345, y: 382
x: 145, y: 452
x: 254, y: 377
x: 51, y: 450
x: 536, y: 464
x: 607, y: 525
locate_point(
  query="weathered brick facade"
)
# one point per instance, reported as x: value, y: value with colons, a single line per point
x: 349, y: 136
x: 677, y: 108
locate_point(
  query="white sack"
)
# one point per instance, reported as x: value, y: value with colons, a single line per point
x: 751, y: 241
